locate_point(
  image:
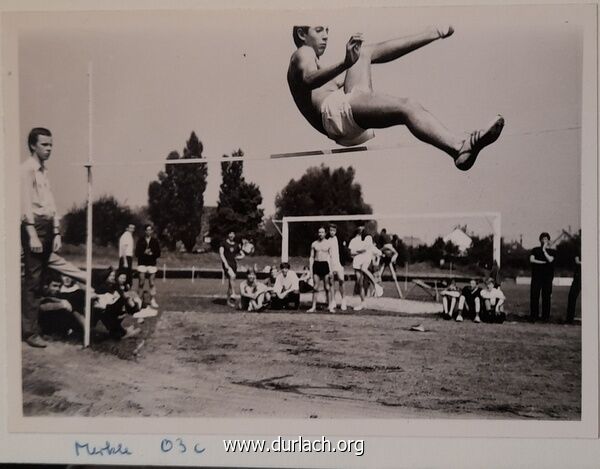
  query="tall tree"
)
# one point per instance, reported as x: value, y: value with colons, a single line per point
x: 176, y: 199
x: 320, y: 191
x: 238, y: 206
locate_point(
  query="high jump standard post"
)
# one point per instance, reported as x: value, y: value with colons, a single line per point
x: 88, y: 249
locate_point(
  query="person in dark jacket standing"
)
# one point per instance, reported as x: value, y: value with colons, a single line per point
x: 147, y: 250
x: 575, y: 290
x: 542, y: 275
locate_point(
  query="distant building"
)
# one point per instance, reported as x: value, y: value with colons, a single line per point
x: 460, y: 239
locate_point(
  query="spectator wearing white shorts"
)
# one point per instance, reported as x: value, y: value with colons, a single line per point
x: 362, y: 256
x: 147, y: 251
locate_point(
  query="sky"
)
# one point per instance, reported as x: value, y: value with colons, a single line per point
x: 157, y: 76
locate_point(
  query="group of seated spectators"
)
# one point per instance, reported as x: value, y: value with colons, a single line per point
x: 280, y: 291
x: 62, y: 307
x: 474, y: 302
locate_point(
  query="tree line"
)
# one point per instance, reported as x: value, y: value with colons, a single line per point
x: 176, y: 209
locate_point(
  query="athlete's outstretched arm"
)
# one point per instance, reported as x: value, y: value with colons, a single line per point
x: 305, y: 63
x: 394, y: 48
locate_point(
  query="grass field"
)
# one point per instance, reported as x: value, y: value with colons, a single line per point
x: 202, y: 358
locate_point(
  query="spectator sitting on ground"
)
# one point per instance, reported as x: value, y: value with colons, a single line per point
x: 110, y: 306
x: 450, y: 296
x: 286, y: 290
x: 471, y: 299
x: 254, y: 295
x: 493, y: 303
x: 75, y: 295
x: 272, y: 278
x: 131, y: 301
x: 56, y: 315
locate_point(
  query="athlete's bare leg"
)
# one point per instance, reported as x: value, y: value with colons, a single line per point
x: 152, y: 286
x: 361, y: 289
x: 387, y: 51
x: 373, y: 110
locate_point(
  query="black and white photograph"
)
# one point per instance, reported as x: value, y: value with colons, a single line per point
x: 323, y: 215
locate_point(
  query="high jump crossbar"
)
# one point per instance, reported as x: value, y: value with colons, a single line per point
x: 299, y: 154
x: 495, y: 216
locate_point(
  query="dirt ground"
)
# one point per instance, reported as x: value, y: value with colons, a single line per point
x: 201, y: 358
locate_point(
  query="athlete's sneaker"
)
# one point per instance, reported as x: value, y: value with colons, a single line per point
x: 477, y: 319
x: 145, y: 313
x: 459, y: 318
x: 344, y: 307
x: 359, y: 307
x: 378, y: 291
x: 312, y: 310
x: 153, y: 303
x: 476, y: 141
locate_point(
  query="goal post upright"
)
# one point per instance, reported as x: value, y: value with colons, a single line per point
x: 285, y: 236
x: 495, y: 216
x: 497, y: 240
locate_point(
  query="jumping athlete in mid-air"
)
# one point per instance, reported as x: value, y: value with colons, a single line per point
x: 346, y: 110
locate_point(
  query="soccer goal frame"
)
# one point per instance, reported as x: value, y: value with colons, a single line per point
x: 496, y: 222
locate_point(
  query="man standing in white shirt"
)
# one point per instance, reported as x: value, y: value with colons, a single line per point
x: 40, y: 231
x: 286, y: 290
x: 126, y: 246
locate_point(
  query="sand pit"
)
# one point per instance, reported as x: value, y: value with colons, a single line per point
x: 386, y: 304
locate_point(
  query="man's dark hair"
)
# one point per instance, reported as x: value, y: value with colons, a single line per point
x: 333, y: 225
x: 544, y: 235
x: 299, y: 42
x: 34, y: 134
x: 147, y: 225
x: 284, y: 265
x: 53, y: 277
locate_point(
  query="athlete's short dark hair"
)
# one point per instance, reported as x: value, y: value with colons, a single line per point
x: 284, y: 265
x: 544, y: 235
x: 34, y: 134
x: 299, y: 42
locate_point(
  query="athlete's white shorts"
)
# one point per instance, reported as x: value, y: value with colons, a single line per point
x: 147, y: 269
x: 362, y: 261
